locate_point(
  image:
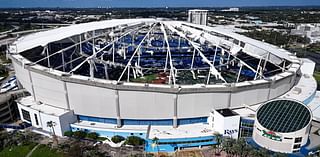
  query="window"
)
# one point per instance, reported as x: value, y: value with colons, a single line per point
x: 26, y: 115
x: 295, y: 151
x: 242, y: 44
x: 250, y: 125
x: 36, y: 119
x: 235, y: 41
x: 296, y: 146
x: 298, y: 140
x: 245, y: 132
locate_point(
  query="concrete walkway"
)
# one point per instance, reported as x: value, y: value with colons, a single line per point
x: 34, y: 148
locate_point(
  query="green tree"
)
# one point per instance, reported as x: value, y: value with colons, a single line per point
x: 134, y: 141
x: 228, y: 145
x: 68, y: 133
x: 93, y: 135
x: 117, y: 139
x: 218, y: 138
x: 79, y: 134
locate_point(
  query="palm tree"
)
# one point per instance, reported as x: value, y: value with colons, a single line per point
x: 218, y: 138
x: 228, y: 145
x: 51, y: 125
x: 241, y: 146
x: 155, y: 141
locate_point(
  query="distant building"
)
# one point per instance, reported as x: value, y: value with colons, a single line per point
x: 231, y: 9
x: 197, y: 16
x: 311, y: 31
x: 8, y: 109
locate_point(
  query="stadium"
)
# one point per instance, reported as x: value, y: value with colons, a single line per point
x: 144, y: 77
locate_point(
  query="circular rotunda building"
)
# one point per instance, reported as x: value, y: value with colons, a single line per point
x: 282, y: 125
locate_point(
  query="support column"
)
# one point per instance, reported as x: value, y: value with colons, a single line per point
x: 48, y: 59
x: 175, y: 111
x: 66, y: 94
x: 266, y: 61
x: 32, y: 88
x: 258, y: 68
x: 63, y: 63
x: 239, y: 73
x: 230, y: 94
x: 193, y: 55
x: 179, y: 43
x: 80, y: 44
x: 270, y: 87
x: 106, y: 71
x: 91, y: 69
x: 93, y: 43
x: 215, y: 55
x: 128, y: 77
x: 118, y: 109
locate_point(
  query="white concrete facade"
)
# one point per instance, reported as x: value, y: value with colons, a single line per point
x: 226, y: 125
x: 41, y: 114
x: 285, y: 142
x: 88, y: 97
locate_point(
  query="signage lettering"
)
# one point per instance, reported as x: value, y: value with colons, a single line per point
x: 271, y: 135
x: 230, y: 132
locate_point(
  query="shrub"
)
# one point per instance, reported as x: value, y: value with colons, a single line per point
x: 117, y: 139
x: 79, y: 134
x: 134, y: 140
x: 68, y: 133
x: 93, y: 135
x: 102, y: 139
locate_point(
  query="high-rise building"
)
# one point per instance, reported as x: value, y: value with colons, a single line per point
x: 197, y: 16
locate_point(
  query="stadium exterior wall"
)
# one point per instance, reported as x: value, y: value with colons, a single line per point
x: 121, y: 101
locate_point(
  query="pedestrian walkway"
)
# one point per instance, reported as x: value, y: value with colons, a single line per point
x: 34, y: 148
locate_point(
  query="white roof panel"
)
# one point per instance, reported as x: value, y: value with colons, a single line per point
x: 42, y: 38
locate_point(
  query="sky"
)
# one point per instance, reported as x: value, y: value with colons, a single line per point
x: 153, y: 3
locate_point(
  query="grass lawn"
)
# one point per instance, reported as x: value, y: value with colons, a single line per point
x: 145, y: 79
x: 44, y: 151
x: 317, y: 76
x: 17, y: 151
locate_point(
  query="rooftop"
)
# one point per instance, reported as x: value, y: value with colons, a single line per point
x: 44, y: 108
x: 227, y: 112
x: 183, y: 131
x: 198, y: 10
x: 314, y: 105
